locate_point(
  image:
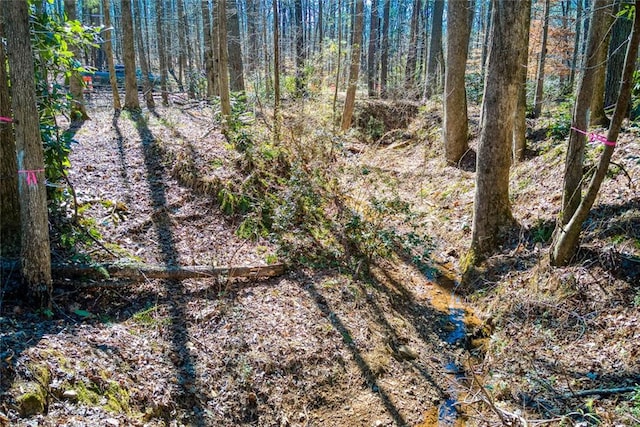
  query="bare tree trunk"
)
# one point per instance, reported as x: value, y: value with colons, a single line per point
x: 35, y: 251
x: 598, y: 116
x: 455, y: 127
x: 223, y: 63
x: 109, y: 53
x: 566, y: 241
x: 9, y: 204
x: 356, y: 46
x: 520, y: 119
x: 572, y: 186
x: 412, y: 54
x: 78, y: 109
x: 537, y: 101
x: 208, y: 48
x: 131, y: 101
x: 144, y: 65
x: 162, y: 57
x: 300, y: 53
x: 492, y: 210
x: 236, y: 68
x: 619, y: 37
x: 435, y: 60
x: 276, y: 72
x: 384, y: 56
x: 576, y: 46
x: 371, y: 55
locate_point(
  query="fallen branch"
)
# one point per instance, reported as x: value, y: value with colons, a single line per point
x: 143, y: 271
x: 601, y: 391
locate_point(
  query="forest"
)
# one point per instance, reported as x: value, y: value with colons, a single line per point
x: 319, y: 213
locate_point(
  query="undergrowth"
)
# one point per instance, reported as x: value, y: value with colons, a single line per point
x: 290, y: 194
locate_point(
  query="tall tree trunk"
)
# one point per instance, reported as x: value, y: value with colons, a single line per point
x: 236, y: 69
x: 182, y: 44
x: 78, y: 109
x: 492, y: 210
x: 487, y: 33
x: 208, y: 48
x: 373, y: 45
x: 619, y: 37
x: 572, y: 185
x: 147, y: 86
x: 9, y: 204
x: 131, y: 101
x: 276, y: 72
x: 300, y: 53
x: 520, y: 119
x: 455, y: 127
x: 576, y: 46
x: 598, y: 116
x: 223, y: 63
x: 35, y: 251
x: 356, y: 48
x: 412, y: 54
x: 384, y: 56
x: 435, y: 59
x: 253, y: 56
x: 109, y: 54
x: 162, y: 57
x: 537, y: 101
x: 566, y: 240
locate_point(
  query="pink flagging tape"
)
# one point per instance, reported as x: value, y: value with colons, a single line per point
x: 32, y: 178
x: 594, y: 137
x: 6, y: 119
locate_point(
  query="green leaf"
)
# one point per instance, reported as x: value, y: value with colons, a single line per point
x: 82, y: 313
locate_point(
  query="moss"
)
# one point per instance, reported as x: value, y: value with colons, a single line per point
x: 117, y: 398
x: 34, y: 399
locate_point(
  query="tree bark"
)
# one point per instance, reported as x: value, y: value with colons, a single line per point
x: 598, y: 116
x: 223, y: 62
x: 572, y: 185
x: 147, y: 86
x: 76, y: 85
x: 208, y: 48
x: 412, y: 54
x: 9, y: 204
x: 371, y: 54
x: 455, y: 126
x: 520, y: 119
x: 354, y: 70
x: 435, y: 59
x: 276, y: 71
x: 300, y: 54
x: 565, y: 244
x: 35, y: 252
x: 131, y: 101
x: 162, y: 57
x: 537, y: 101
x: 492, y: 210
x: 384, y: 56
x: 236, y: 68
x: 113, y: 81
x: 576, y: 46
x: 615, y: 64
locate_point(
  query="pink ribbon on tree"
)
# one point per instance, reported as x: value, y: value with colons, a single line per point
x: 6, y: 119
x: 32, y: 178
x: 594, y: 137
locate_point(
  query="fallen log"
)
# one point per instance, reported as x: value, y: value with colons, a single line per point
x: 144, y: 271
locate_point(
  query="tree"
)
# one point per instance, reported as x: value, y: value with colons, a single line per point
x: 455, y: 127
x: 565, y: 243
x: 435, y: 59
x: 161, y: 52
x: 300, y: 53
x: 131, y: 101
x: 520, y: 119
x: 492, y: 210
x: 9, y: 204
x: 572, y: 184
x: 356, y: 45
x: 576, y: 45
x: 147, y: 86
x: 537, y: 100
x: 109, y: 53
x: 76, y: 85
x: 384, y: 56
x: 619, y: 37
x: 412, y: 54
x: 223, y: 62
x: 35, y: 251
x: 598, y: 117
x: 208, y: 48
x: 236, y: 68
x: 373, y: 44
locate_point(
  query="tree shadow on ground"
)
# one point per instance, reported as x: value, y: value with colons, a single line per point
x: 174, y: 290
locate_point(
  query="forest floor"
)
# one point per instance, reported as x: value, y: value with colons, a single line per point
x: 326, y: 344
